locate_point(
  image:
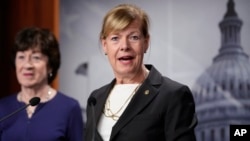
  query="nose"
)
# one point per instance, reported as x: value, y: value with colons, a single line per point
x: 28, y: 62
x: 124, y: 44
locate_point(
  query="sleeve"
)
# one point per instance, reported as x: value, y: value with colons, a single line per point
x: 75, y: 125
x: 180, y: 116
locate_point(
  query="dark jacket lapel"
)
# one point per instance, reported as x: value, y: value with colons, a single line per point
x: 144, y: 95
x: 102, y: 95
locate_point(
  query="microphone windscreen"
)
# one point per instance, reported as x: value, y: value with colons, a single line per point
x: 92, y: 101
x: 34, y: 101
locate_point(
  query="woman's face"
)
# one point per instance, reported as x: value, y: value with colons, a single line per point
x: 125, y: 50
x: 31, y: 68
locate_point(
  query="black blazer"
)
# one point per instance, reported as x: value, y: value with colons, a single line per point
x: 166, y: 113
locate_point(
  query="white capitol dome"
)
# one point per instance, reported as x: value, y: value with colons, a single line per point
x: 222, y: 92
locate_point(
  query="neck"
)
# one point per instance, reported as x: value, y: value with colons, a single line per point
x: 42, y: 92
x: 136, y: 78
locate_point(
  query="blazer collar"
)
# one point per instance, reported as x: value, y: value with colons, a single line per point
x: 101, y: 97
x: 144, y: 95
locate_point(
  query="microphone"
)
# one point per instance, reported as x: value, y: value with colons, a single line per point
x: 33, y: 102
x: 91, y: 103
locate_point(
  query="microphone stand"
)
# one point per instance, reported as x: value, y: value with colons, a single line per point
x: 20, y: 109
x: 33, y: 102
x: 94, y: 122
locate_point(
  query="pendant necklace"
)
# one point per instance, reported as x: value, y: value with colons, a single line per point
x: 114, y: 115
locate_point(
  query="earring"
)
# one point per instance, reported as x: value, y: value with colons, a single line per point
x: 105, y: 53
x: 50, y: 74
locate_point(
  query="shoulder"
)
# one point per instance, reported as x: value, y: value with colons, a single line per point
x: 9, y: 104
x: 177, y: 93
x: 173, y: 84
x: 8, y: 100
x: 66, y: 99
x: 103, y: 89
x: 157, y: 79
x: 165, y: 84
x: 66, y: 107
x: 175, y: 88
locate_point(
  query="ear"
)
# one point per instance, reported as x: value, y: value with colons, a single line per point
x: 104, y: 46
x: 49, y: 70
x: 146, y: 43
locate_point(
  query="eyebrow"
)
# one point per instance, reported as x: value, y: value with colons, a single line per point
x: 117, y: 32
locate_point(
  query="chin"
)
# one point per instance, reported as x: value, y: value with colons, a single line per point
x: 28, y: 85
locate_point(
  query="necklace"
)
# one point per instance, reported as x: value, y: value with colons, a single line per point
x: 49, y: 94
x: 115, y: 115
x: 31, y: 109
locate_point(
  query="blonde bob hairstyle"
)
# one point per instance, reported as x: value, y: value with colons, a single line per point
x: 121, y: 16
